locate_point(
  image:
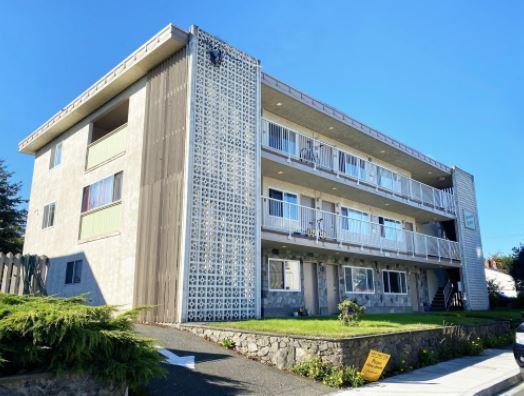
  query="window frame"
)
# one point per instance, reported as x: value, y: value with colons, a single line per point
x: 45, y: 215
x: 284, y: 193
x: 76, y: 272
x: 52, y: 159
x: 285, y: 142
x: 400, y: 283
x: 299, y: 290
x: 114, y: 200
x: 352, y: 267
x: 346, y: 219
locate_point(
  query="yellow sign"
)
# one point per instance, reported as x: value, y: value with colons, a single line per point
x: 375, y: 365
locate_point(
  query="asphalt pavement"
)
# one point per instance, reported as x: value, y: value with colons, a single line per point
x: 219, y: 371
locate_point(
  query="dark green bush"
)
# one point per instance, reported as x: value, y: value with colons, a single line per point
x: 495, y: 341
x: 65, y: 335
x: 350, y: 312
x: 427, y: 357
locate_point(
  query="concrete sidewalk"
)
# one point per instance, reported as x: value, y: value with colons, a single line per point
x: 488, y: 374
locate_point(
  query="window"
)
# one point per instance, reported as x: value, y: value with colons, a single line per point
x: 284, y: 275
x: 73, y: 272
x: 394, y: 282
x: 354, y: 220
x: 283, y: 204
x: 391, y: 229
x: 48, y: 220
x: 282, y: 139
x: 359, y: 280
x: 469, y: 219
x: 349, y: 165
x: 56, y: 155
x: 103, y: 192
x: 386, y: 178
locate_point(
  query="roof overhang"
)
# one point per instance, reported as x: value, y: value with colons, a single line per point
x: 165, y: 43
x: 302, y: 109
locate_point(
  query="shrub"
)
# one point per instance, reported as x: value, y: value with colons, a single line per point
x: 65, y: 335
x: 315, y: 368
x: 427, y: 357
x: 495, y: 341
x: 473, y: 347
x: 228, y: 343
x: 322, y: 370
x: 350, y: 312
x: 339, y: 377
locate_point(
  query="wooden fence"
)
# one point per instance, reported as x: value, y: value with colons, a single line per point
x: 23, y: 274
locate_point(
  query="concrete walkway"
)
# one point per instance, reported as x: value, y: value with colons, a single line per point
x: 492, y: 372
x: 219, y: 371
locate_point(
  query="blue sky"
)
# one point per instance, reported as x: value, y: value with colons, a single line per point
x: 446, y: 77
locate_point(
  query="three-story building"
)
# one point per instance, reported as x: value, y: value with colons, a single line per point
x: 187, y: 179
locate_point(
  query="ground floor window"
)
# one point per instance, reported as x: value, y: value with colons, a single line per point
x: 359, y: 280
x: 284, y: 275
x: 394, y: 282
x: 73, y: 272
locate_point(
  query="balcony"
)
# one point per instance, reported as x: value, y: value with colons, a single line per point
x: 110, y: 146
x: 320, y: 226
x: 325, y: 158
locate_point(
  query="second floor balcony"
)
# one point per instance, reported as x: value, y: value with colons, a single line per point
x: 318, y: 225
x: 323, y: 157
x: 108, y: 147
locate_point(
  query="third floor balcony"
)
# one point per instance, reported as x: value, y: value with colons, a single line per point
x: 324, y: 158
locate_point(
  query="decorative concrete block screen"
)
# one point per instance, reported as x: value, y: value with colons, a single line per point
x: 223, y: 246
x: 23, y: 274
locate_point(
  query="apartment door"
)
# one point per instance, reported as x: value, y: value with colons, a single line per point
x: 307, y: 215
x: 413, y: 291
x: 310, y: 288
x: 332, y: 288
x: 329, y: 220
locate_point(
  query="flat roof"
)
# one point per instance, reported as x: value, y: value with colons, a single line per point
x: 163, y: 44
x: 169, y: 40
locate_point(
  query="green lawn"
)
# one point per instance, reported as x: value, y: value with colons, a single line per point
x: 370, y: 323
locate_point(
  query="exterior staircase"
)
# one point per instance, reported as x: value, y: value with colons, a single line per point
x: 438, y: 303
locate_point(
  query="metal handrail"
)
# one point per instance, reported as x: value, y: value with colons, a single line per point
x: 303, y: 221
x: 325, y: 156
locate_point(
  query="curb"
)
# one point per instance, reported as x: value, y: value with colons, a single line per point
x: 502, y: 386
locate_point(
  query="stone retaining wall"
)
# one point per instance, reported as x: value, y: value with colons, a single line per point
x: 66, y: 385
x: 283, y: 351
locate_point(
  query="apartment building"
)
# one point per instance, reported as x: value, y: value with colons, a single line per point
x: 188, y: 179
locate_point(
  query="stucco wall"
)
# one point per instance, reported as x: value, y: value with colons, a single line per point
x: 108, y: 268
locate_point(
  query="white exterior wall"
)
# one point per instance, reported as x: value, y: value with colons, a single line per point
x: 109, y: 262
x: 268, y: 182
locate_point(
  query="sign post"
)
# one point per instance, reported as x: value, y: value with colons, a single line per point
x: 375, y: 365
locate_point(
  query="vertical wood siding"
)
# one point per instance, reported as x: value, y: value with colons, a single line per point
x: 161, y: 191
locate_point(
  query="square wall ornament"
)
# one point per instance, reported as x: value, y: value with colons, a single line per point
x: 469, y: 219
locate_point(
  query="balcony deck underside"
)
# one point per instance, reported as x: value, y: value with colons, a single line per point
x: 306, y: 111
x: 306, y: 176
x: 277, y: 239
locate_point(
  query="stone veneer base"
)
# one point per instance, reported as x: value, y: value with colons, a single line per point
x: 47, y: 384
x: 283, y: 351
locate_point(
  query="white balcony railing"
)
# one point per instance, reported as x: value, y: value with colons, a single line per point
x: 326, y: 157
x: 297, y: 220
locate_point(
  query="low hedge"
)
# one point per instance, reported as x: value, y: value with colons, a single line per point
x: 65, y: 335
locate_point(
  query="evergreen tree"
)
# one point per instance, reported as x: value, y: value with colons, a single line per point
x: 12, y: 216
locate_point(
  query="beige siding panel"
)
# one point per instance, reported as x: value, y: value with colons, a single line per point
x: 101, y: 222
x: 161, y: 191
x: 107, y: 148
